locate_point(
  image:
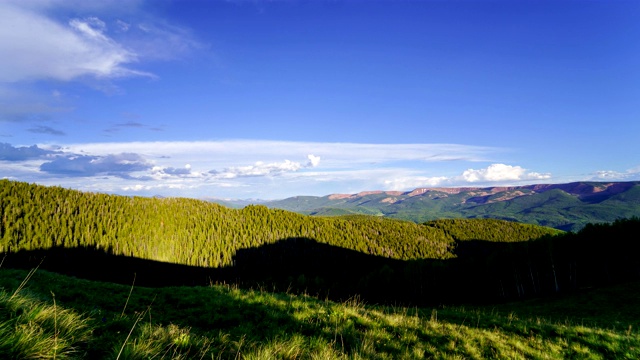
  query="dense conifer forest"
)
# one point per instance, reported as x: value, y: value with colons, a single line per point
x: 177, y: 241
x: 567, y: 207
x: 456, y: 277
x: 188, y: 231
x: 193, y: 232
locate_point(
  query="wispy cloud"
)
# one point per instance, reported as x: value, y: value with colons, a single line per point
x: 46, y: 130
x: 116, y: 128
x: 231, y: 153
x: 611, y: 175
x: 120, y: 165
x: 159, y: 40
x: 264, y: 169
x: 42, y: 48
x: 133, y: 124
x: 19, y: 105
x: 77, y: 41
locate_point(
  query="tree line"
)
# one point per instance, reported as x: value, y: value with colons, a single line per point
x: 189, y: 231
x: 380, y: 259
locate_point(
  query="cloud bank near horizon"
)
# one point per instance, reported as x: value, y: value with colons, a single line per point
x: 265, y: 169
x: 262, y: 168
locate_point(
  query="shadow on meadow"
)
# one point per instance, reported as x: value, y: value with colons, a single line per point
x: 226, y: 321
x: 482, y: 272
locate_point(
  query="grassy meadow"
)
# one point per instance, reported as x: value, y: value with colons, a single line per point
x: 50, y: 316
x: 186, y: 279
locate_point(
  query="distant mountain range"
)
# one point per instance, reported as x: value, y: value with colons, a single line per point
x: 563, y: 206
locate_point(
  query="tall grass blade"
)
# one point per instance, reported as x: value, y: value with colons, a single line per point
x: 128, y: 297
x: 26, y: 279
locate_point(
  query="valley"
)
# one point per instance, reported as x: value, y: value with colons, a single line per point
x: 89, y: 275
x: 567, y: 207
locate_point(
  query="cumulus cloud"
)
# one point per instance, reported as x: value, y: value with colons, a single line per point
x: 261, y: 168
x: 11, y: 153
x: 493, y: 173
x: 313, y: 160
x: 121, y: 165
x: 258, y: 169
x: 501, y: 172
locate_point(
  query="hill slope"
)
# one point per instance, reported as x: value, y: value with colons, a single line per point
x: 192, y: 232
x: 66, y: 318
x: 383, y: 260
x: 562, y: 206
x: 188, y: 231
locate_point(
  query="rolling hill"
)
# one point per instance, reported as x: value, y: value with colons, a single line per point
x: 577, y: 291
x: 567, y: 207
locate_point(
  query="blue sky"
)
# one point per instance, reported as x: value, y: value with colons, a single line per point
x: 270, y: 99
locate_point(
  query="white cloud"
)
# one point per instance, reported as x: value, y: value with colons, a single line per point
x: 68, y: 40
x: 76, y: 40
x: 261, y: 168
x: 231, y: 153
x: 411, y: 182
x: 313, y: 160
x: 42, y: 48
x: 501, y: 172
x: 22, y: 153
x: 495, y: 173
x: 611, y: 175
x: 159, y: 40
x: 120, y: 165
x: 258, y: 168
x: 123, y: 26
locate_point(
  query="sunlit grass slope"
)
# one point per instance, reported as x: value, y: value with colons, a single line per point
x: 55, y: 316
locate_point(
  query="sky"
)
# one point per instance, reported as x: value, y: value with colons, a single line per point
x: 272, y: 99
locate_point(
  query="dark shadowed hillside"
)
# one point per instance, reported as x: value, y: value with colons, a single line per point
x: 384, y: 260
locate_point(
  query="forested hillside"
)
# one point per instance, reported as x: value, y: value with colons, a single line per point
x: 194, y: 232
x: 490, y: 230
x: 567, y: 207
x: 188, y: 231
x: 377, y: 258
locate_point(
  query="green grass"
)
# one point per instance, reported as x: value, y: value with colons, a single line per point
x: 88, y: 320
